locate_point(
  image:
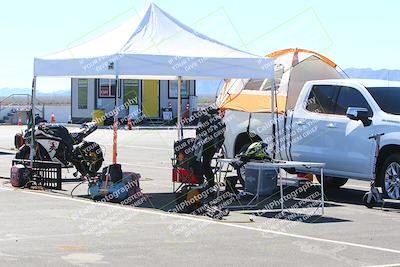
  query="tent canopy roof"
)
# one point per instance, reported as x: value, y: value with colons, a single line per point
x: 155, y: 45
x: 304, y: 52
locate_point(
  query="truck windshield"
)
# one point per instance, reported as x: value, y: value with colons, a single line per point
x: 387, y: 98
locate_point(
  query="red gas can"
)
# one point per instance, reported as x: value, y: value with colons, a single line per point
x: 20, y: 175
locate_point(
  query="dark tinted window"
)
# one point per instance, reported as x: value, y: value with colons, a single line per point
x: 321, y: 99
x: 387, y: 98
x: 350, y: 97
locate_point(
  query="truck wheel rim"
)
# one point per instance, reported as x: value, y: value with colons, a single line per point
x: 392, y: 180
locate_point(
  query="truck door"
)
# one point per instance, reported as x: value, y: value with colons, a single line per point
x: 354, y: 151
x: 321, y: 132
x: 311, y: 138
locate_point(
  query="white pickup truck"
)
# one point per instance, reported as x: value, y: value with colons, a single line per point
x: 332, y: 122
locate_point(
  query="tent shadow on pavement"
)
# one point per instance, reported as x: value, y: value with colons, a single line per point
x: 297, y: 217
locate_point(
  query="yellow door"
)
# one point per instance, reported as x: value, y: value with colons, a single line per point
x: 151, y: 98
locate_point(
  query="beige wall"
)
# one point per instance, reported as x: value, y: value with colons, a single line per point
x: 82, y: 113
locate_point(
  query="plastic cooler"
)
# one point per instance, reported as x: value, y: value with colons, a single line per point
x: 268, y: 182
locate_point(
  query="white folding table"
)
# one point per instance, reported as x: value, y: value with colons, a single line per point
x: 280, y: 164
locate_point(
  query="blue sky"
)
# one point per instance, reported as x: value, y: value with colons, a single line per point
x: 351, y: 33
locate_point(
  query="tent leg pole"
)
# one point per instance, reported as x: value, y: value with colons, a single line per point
x: 115, y: 125
x: 179, y: 115
x: 32, y: 144
x: 273, y: 117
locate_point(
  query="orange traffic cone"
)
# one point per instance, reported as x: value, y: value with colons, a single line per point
x: 19, y: 120
x: 307, y: 176
x: 52, y: 118
x: 129, y: 123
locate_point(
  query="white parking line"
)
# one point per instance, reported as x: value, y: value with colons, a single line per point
x: 386, y: 265
x: 145, y: 166
x: 192, y: 218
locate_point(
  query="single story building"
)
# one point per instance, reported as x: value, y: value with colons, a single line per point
x: 146, y: 99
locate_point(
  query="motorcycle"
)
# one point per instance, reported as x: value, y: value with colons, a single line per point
x: 55, y: 143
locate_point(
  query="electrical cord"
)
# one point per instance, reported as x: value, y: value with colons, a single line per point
x: 77, y: 187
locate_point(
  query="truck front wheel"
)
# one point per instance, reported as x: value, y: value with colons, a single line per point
x: 389, y: 176
x: 332, y: 182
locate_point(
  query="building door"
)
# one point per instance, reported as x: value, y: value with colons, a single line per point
x: 151, y: 98
x: 131, y: 98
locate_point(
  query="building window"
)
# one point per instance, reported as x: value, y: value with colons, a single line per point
x: 173, y: 89
x: 107, y: 88
x: 131, y: 90
x: 82, y: 93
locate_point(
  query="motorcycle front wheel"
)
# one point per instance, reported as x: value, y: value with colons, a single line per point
x: 25, y: 151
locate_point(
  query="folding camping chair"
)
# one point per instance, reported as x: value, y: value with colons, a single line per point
x: 183, y: 164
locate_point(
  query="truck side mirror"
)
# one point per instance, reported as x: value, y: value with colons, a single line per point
x: 359, y: 114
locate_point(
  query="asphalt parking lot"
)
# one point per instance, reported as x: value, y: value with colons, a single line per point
x: 54, y: 229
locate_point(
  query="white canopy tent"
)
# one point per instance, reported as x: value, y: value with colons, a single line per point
x: 153, y: 45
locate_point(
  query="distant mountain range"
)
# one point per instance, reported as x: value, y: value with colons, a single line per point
x: 9, y: 91
x: 209, y: 88
x: 384, y: 74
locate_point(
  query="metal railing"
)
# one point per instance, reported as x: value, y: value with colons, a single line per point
x: 21, y: 102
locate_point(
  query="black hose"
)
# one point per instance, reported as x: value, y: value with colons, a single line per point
x: 248, y: 125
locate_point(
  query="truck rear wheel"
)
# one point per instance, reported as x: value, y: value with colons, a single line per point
x: 332, y: 182
x: 389, y: 176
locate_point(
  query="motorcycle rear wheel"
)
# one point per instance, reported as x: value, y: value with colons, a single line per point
x: 88, y: 158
